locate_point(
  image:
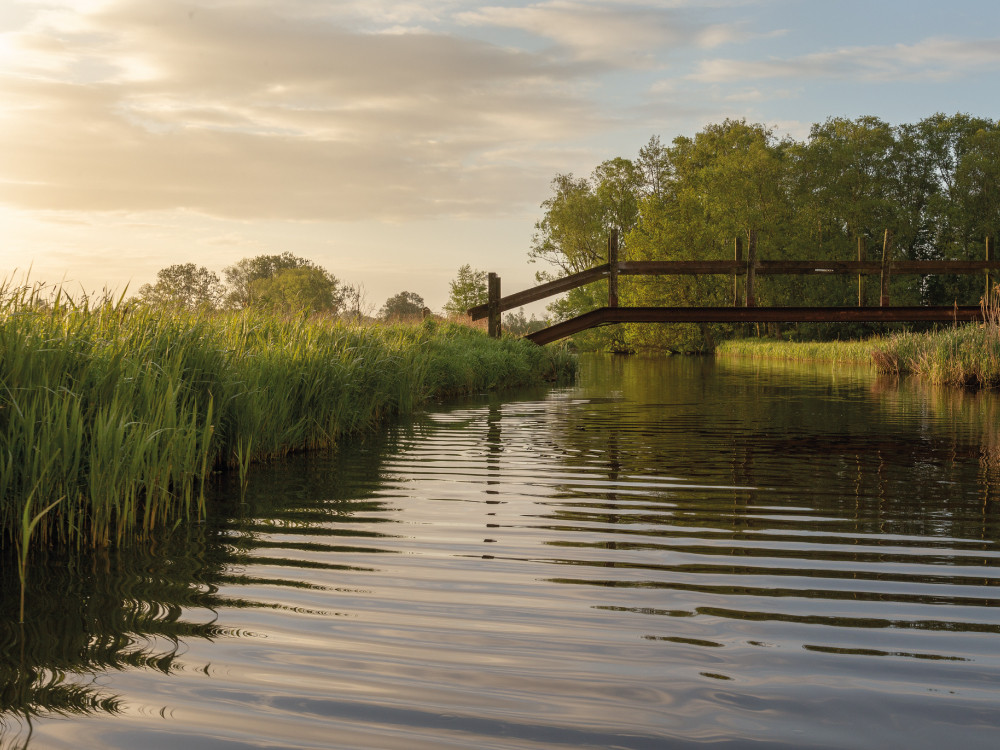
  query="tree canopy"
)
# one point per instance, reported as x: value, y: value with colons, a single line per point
x: 403, y: 306
x: 468, y: 289
x: 293, y: 290
x: 242, y: 276
x: 934, y: 185
x: 184, y: 285
x: 283, y: 283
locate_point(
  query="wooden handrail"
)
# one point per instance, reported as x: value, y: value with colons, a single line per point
x: 558, y: 286
x: 885, y: 268
x: 736, y: 268
x: 608, y: 315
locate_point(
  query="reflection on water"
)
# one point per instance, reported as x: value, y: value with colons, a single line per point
x: 674, y: 552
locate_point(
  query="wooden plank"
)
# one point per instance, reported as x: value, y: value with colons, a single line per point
x: 804, y: 267
x: 886, y: 269
x: 738, y: 259
x: 738, y: 268
x: 613, y: 268
x: 493, y: 314
x: 607, y: 315
x: 548, y: 289
x: 989, y: 257
x: 750, y: 297
x: 861, y: 276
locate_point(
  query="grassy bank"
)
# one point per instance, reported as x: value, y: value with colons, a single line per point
x: 112, y: 417
x: 847, y: 352
x: 967, y: 355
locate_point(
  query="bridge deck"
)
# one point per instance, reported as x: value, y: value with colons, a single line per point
x: 607, y: 315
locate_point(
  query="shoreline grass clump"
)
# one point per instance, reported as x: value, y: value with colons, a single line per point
x: 113, y: 415
x: 843, y: 352
x: 966, y: 355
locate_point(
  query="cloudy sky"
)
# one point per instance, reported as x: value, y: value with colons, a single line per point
x: 392, y: 142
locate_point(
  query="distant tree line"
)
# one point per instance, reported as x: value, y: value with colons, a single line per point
x: 935, y: 185
x: 282, y: 283
x: 285, y: 283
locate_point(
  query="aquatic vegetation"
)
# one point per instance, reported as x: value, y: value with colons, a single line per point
x: 966, y: 355
x: 113, y: 415
x: 854, y: 352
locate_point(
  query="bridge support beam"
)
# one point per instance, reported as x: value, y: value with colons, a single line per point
x: 886, y: 269
x: 613, y: 268
x: 861, y: 277
x: 751, y: 297
x: 989, y: 257
x: 493, y: 302
x: 738, y: 257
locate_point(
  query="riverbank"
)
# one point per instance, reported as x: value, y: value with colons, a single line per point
x: 113, y: 417
x: 966, y: 356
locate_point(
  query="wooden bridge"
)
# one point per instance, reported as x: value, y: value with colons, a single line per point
x: 744, y: 308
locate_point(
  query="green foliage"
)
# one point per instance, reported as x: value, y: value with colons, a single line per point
x: 293, y: 290
x: 517, y: 324
x: 468, y: 289
x: 845, y: 352
x: 571, y: 234
x: 934, y: 186
x: 184, y: 285
x: 967, y: 355
x: 403, y: 306
x: 243, y: 277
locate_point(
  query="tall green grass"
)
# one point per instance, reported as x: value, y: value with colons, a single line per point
x: 112, y: 415
x: 966, y: 355
x: 847, y: 352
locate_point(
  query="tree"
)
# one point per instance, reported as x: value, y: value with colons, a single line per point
x: 184, y: 285
x: 570, y: 234
x: 573, y: 232
x: 467, y: 290
x: 240, y: 276
x: 355, y: 302
x: 403, y: 306
x: 654, y: 167
x: 517, y: 324
x: 934, y: 185
x: 293, y: 290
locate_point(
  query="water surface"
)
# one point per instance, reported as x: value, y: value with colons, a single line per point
x: 672, y: 553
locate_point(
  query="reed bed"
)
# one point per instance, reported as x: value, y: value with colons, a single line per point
x: 845, y: 352
x: 112, y: 416
x: 967, y: 355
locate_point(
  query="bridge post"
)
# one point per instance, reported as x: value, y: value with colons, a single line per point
x: 493, y: 302
x: 613, y: 268
x: 736, y: 278
x: 886, y: 260
x: 989, y: 257
x: 751, y: 299
x: 861, y: 277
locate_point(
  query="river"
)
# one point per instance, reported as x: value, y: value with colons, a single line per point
x: 671, y: 553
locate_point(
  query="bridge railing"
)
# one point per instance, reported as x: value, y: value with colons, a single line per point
x: 745, y: 269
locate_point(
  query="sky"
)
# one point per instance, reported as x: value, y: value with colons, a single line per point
x: 392, y: 142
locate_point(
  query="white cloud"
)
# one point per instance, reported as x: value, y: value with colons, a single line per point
x: 938, y: 59
x: 254, y: 114
x: 622, y: 33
